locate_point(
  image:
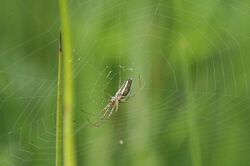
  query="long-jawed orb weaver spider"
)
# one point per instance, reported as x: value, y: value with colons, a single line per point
x: 121, y: 95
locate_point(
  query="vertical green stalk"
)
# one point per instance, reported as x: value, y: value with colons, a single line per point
x: 191, y: 110
x: 193, y: 131
x: 68, y: 98
x: 192, y: 125
x: 59, y: 113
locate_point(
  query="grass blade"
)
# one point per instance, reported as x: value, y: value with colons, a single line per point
x: 59, y: 112
x: 68, y: 87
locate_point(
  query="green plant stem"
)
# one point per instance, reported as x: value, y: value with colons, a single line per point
x: 191, y: 112
x: 68, y: 97
x: 59, y: 113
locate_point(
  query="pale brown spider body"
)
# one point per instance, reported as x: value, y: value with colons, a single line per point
x: 121, y: 95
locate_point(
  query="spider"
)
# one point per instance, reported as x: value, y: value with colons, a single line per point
x: 121, y: 95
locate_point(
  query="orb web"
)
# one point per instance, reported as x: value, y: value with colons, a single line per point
x: 192, y: 59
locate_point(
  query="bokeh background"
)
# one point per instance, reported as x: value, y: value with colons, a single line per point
x: 191, y: 103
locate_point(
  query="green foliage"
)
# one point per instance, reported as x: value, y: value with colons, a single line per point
x: 193, y: 59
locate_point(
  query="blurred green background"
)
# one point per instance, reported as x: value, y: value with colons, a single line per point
x: 193, y: 104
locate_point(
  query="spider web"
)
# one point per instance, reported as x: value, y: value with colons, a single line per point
x: 193, y: 104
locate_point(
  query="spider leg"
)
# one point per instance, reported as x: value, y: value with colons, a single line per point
x: 112, y: 110
x: 90, y: 113
x: 106, y: 107
x: 101, y: 121
x: 117, y: 103
x: 107, y: 111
